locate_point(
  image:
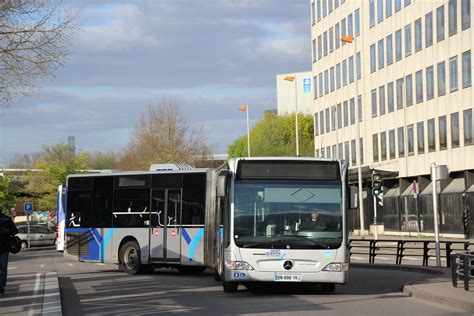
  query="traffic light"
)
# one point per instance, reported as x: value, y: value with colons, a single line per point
x: 376, y: 184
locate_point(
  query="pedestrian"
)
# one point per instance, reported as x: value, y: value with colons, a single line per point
x: 7, y: 231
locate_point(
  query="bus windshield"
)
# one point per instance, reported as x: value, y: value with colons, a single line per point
x: 289, y: 214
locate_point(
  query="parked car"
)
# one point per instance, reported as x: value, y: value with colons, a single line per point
x: 39, y: 236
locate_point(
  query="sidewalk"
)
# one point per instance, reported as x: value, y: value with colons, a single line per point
x: 32, y: 294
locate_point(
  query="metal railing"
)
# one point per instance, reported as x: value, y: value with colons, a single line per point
x: 462, y: 268
x: 424, y: 249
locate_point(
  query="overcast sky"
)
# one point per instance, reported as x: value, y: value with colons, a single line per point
x: 210, y: 56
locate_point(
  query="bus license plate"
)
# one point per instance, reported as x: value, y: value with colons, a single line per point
x: 287, y: 278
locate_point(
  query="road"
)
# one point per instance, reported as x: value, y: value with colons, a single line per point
x: 91, y: 288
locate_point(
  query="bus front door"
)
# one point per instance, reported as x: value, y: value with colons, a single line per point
x: 165, y: 225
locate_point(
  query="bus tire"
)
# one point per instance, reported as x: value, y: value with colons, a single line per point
x: 129, y: 255
x: 328, y: 287
x: 230, y: 287
x: 217, y: 277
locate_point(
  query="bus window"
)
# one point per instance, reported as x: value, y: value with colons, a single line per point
x: 194, y: 197
x: 131, y: 208
x: 103, y: 197
x: 167, y: 181
x: 79, y: 209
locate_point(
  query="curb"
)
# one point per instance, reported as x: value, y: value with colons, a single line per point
x: 51, y: 295
x: 427, y: 270
x: 410, y: 290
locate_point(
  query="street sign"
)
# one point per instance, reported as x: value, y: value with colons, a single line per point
x: 307, y: 85
x: 28, y: 208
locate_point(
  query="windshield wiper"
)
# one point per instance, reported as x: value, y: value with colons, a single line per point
x: 316, y: 243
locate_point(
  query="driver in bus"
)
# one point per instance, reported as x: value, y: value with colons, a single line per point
x: 316, y: 222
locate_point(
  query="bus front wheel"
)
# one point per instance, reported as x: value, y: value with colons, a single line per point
x: 130, y: 261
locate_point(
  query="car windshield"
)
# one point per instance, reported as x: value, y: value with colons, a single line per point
x: 287, y: 214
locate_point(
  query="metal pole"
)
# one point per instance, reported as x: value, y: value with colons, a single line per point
x: 248, y: 132
x: 435, y: 214
x: 296, y: 119
x: 28, y: 224
x: 376, y: 233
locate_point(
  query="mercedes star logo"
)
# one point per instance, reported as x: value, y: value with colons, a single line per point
x: 288, y: 265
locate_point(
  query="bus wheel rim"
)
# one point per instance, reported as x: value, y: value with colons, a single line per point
x: 130, y: 257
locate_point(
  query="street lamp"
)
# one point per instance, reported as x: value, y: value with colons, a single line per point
x: 246, y: 109
x: 350, y: 39
x: 293, y: 78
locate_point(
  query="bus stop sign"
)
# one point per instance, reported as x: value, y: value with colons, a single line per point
x: 28, y: 208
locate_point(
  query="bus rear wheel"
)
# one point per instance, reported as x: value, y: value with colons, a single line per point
x: 129, y: 255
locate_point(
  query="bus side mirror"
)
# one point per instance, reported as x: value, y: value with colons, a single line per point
x: 353, y: 197
x: 222, y: 181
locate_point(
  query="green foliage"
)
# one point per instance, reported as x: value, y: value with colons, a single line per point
x: 7, y: 194
x: 276, y: 136
x: 98, y: 160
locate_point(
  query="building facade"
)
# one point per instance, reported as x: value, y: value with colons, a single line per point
x: 399, y: 96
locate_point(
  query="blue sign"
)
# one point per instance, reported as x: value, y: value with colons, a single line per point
x: 307, y: 85
x: 239, y: 275
x: 28, y: 208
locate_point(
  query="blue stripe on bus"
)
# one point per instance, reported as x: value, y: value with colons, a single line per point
x: 105, y: 241
x: 185, y: 235
x: 195, y: 243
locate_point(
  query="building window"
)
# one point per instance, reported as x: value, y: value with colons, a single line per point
x: 398, y: 45
x: 325, y: 8
x: 419, y: 86
x: 455, y: 130
x: 429, y: 83
x: 351, y: 69
x: 400, y: 94
x: 398, y: 5
x: 319, y: 10
x: 411, y: 140
x: 453, y: 74
x: 374, y: 102
x: 372, y: 13
x: 420, y: 131
x: 466, y: 14
x: 353, y: 152
x: 315, y: 56
x: 357, y: 22
x: 379, y: 11
x: 315, y: 85
x: 316, y: 124
x: 407, y: 2
x: 468, y: 137
x: 340, y: 152
x: 388, y: 8
x: 321, y: 84
x: 330, y: 6
x: 389, y: 50
x: 333, y: 118
x: 418, y: 37
x: 373, y: 64
x: 441, y: 79
x: 401, y: 142
x: 359, y: 66
x: 390, y: 97
x: 466, y: 69
x: 381, y: 53
x: 325, y: 43
x: 336, y: 4
x: 320, y: 47
x: 339, y: 115
x: 382, y: 100
x: 321, y: 122
x: 326, y: 82
x: 431, y: 136
x: 346, y: 151
x: 383, y: 146
x: 361, y: 150
x: 334, y: 153
x: 408, y: 40
x: 350, y: 25
x: 443, y: 133
x: 331, y: 39
x: 429, y: 29
x: 360, y: 112
x: 331, y: 77
x: 440, y: 23
x: 409, y: 90
x: 453, y: 17
x: 344, y: 72
x: 343, y: 29
x: 338, y: 76
x: 328, y: 127
x: 328, y: 152
x: 353, y: 110
x: 391, y: 144
x: 346, y: 114
x: 323, y: 153
x: 375, y: 147
x: 313, y: 15
x: 338, y: 36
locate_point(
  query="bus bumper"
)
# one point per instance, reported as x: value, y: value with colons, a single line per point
x: 283, y: 277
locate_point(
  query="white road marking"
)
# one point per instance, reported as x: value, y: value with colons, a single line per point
x: 11, y: 268
x: 100, y: 264
x: 70, y: 264
x: 42, y: 265
x: 36, y: 291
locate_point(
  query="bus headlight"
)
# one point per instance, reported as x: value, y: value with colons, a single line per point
x: 337, y: 267
x: 238, y: 265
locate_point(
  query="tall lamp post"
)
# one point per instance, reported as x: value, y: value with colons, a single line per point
x: 350, y: 39
x: 246, y: 109
x: 291, y: 79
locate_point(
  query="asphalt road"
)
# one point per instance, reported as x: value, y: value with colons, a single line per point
x: 99, y: 289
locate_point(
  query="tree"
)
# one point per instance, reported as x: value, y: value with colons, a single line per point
x: 275, y: 136
x: 24, y: 161
x: 7, y: 194
x: 35, y: 36
x: 99, y: 160
x: 162, y: 135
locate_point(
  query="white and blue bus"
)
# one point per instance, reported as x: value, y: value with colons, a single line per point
x: 278, y: 219
x: 60, y: 217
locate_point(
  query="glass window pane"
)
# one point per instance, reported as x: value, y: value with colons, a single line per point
x: 466, y: 14
x: 325, y: 8
x: 419, y: 86
x: 359, y: 108
x: 466, y: 69
x: 429, y: 29
x: 374, y: 102
x: 440, y: 23
x: 455, y: 129
x: 453, y: 17
x: 316, y: 124
x: 351, y: 69
x: 401, y: 142
x: 390, y: 97
x: 353, y: 152
x: 357, y: 22
x: 319, y: 10
x: 441, y: 79
x: 407, y: 2
x: 350, y: 25
x: 375, y: 147
x: 453, y: 74
x: 408, y: 40
x: 418, y: 37
x: 409, y: 90
x: 321, y: 84
x: 331, y: 39
x: 338, y: 35
x: 371, y: 13
x: 420, y: 131
x: 346, y: 151
x: 344, y: 72
x: 339, y: 116
x: 332, y: 79
x: 326, y: 82
x: 443, y: 136
x: 333, y: 117
x: 429, y: 83
x: 320, y: 47
x: 381, y: 53
x: 346, y: 114
x: 338, y: 76
x: 411, y: 140
x: 379, y: 11
x: 389, y: 50
x: 382, y: 100
x: 391, y: 142
x: 341, y: 154
x: 383, y: 145
x: 352, y: 108
x: 359, y: 66
x: 325, y: 43
x: 373, y: 64
x: 194, y: 202
x: 399, y: 93
x: 388, y: 8
x: 315, y: 85
x: 431, y: 136
x: 398, y: 45
x: 328, y: 126
x: 468, y: 136
x: 330, y: 7
x: 343, y: 29
x: 361, y: 151
x: 398, y: 5
x: 321, y: 122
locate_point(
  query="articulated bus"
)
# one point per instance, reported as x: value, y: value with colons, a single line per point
x: 60, y: 217
x: 279, y: 219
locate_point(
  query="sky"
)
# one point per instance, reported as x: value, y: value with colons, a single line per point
x: 209, y: 56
